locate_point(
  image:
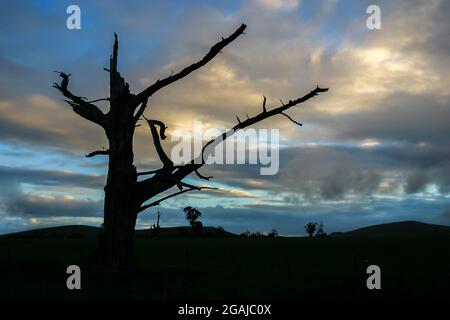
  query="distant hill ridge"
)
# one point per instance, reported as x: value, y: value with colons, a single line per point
x: 399, y: 229
x: 395, y: 229
x: 81, y: 231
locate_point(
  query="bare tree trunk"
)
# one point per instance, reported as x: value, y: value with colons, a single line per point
x: 115, y: 245
x: 120, y: 205
x: 120, y: 208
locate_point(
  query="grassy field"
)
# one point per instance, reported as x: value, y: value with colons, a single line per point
x: 235, y: 268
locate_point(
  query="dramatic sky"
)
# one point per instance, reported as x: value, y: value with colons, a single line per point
x: 374, y: 149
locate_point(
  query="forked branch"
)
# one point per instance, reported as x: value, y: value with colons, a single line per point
x: 83, y: 108
x: 154, y: 185
x: 157, y: 142
x: 157, y: 202
x: 97, y: 153
x: 258, y: 118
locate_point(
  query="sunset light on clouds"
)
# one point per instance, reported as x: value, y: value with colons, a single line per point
x: 374, y: 149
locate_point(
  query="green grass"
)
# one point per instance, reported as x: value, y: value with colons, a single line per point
x: 235, y: 268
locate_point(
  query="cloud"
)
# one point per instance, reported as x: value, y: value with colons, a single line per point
x: 397, y: 118
x: 51, y: 178
x: 416, y: 182
x: 10, y: 196
x: 53, y: 205
x: 15, y: 201
x: 438, y: 176
x: 445, y: 214
x: 278, y: 4
x: 329, y: 174
x: 381, y: 128
x: 38, y: 119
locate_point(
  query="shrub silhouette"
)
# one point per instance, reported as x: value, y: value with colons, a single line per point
x: 310, y: 228
x: 192, y: 215
x: 320, y: 232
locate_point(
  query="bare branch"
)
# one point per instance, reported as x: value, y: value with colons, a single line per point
x: 264, y: 104
x: 156, y: 141
x: 98, y: 152
x: 156, y: 184
x: 141, y: 110
x: 258, y: 118
x: 162, y: 128
x: 194, y: 168
x: 102, y: 99
x: 287, y: 116
x: 118, y: 87
x: 202, y: 176
x: 157, y: 202
x: 83, y: 108
x: 113, y: 59
x: 215, y: 49
x: 144, y: 173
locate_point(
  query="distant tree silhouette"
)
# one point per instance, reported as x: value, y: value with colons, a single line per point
x: 273, y: 233
x: 320, y: 232
x: 126, y: 195
x: 245, y: 234
x: 310, y: 228
x: 192, y: 216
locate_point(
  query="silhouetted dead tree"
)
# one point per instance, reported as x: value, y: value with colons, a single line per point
x: 125, y: 195
x: 158, y: 216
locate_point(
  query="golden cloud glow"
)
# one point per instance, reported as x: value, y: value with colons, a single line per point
x: 370, y: 143
x: 278, y: 4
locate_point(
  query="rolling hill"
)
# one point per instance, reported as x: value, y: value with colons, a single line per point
x: 87, y: 232
x: 395, y: 229
x: 399, y: 229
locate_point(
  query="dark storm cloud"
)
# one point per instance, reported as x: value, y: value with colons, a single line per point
x: 400, y: 117
x: 437, y: 45
x: 438, y: 176
x: 409, y: 155
x: 12, y: 131
x: 334, y: 172
x: 50, y: 178
x: 54, y: 206
x: 327, y: 173
x: 312, y: 172
x: 445, y: 214
x: 416, y: 182
x: 11, y: 196
x: 15, y: 203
